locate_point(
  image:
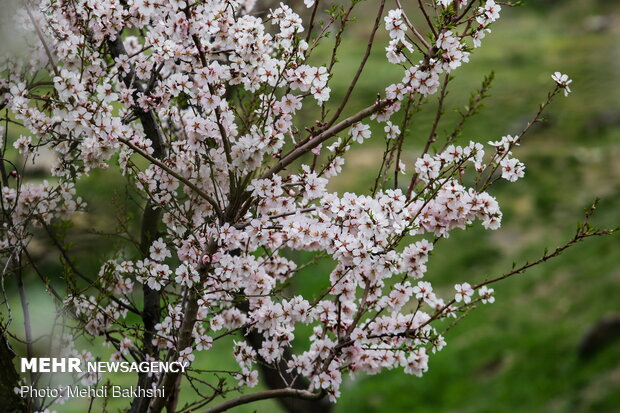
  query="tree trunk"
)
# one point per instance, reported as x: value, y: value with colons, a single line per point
x: 10, y: 402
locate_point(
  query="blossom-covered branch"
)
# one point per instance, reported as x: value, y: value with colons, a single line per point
x: 203, y: 107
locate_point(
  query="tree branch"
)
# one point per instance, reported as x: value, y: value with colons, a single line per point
x: 360, y: 68
x: 315, y: 141
x: 264, y: 395
x: 170, y: 171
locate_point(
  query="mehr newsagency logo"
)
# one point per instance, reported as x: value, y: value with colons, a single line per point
x: 76, y: 365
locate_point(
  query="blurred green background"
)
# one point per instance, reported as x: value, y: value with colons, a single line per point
x: 520, y: 354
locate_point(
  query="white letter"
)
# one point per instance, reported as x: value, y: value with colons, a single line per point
x: 29, y: 364
x: 44, y: 365
x: 58, y: 364
x: 74, y: 365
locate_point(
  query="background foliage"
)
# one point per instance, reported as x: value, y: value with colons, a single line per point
x: 522, y: 353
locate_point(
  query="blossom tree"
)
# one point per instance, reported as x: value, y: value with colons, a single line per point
x: 203, y: 107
